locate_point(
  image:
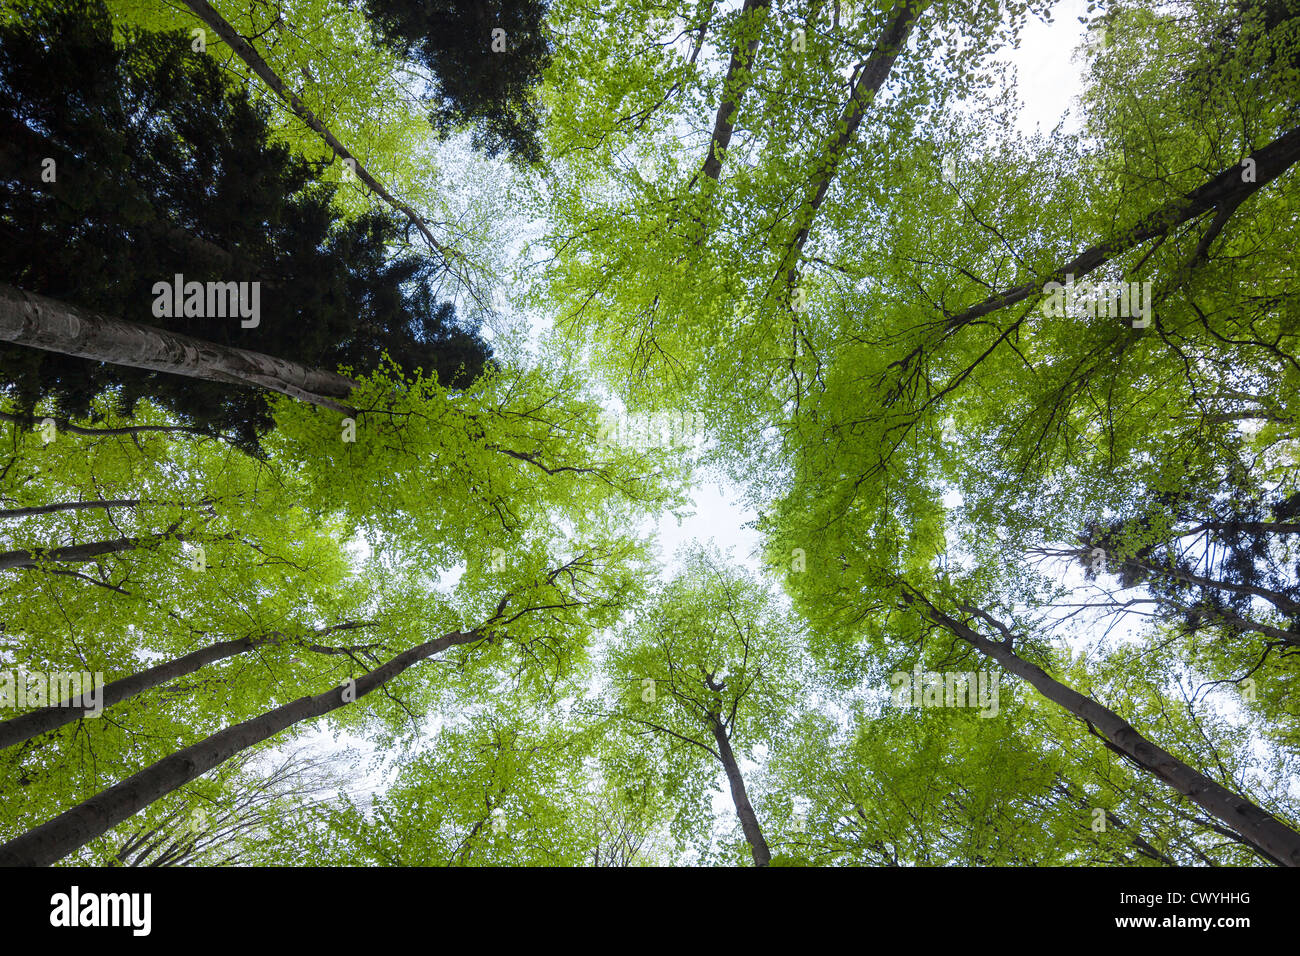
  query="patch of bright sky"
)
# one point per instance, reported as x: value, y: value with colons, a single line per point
x: 1048, y: 69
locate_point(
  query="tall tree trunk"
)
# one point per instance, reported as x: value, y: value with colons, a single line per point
x: 748, y: 819
x: 1273, y: 838
x: 752, y: 16
x: 41, y: 323
x: 70, y: 506
x: 72, y: 554
x: 1248, y: 624
x: 50, y: 842
x: 245, y: 51
x: 18, y: 729
x: 21, y: 728
x: 871, y: 76
x: 104, y: 503
x: 78, y: 553
x: 1276, y: 598
x: 1225, y: 192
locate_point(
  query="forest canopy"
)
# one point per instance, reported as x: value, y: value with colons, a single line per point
x: 366, y: 367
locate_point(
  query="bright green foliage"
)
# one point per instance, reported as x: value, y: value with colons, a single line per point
x: 867, y: 331
x: 711, y: 652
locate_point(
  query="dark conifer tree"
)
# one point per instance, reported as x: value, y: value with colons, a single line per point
x: 122, y: 165
x: 486, y: 81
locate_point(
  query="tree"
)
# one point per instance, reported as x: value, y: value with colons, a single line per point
x: 910, y: 411
x: 512, y: 480
x: 1016, y: 415
x: 1274, y: 838
x: 144, y: 143
x: 487, y: 58
x: 708, y: 665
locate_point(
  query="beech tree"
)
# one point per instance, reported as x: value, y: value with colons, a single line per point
x: 1014, y: 414
x: 708, y: 667
x: 921, y: 411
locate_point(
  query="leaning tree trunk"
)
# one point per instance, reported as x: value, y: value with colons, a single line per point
x: 53, y: 717
x: 104, y: 503
x: 1273, y: 838
x: 1224, y: 193
x: 871, y: 77
x: 72, y: 554
x: 50, y: 842
x: 79, y: 553
x: 253, y: 60
x: 42, y: 323
x: 18, y: 729
x: 744, y: 810
x: 752, y: 17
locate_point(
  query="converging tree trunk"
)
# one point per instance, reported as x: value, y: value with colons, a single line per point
x: 105, y: 504
x: 752, y: 17
x: 739, y: 797
x: 870, y: 78
x: 79, y: 553
x: 1278, y: 841
x: 1224, y: 193
x: 18, y: 729
x: 245, y: 51
x: 73, y: 554
x: 26, y: 726
x: 42, y: 323
x: 50, y: 842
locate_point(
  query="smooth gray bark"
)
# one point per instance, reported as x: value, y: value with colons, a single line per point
x: 50, y: 842
x: 41, y: 323
x: 740, y: 797
x: 1261, y: 829
x: 18, y: 729
x: 752, y: 16
x: 1225, y: 192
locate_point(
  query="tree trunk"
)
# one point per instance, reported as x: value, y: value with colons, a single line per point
x: 1276, y: 598
x: 50, y: 842
x: 871, y: 77
x: 1272, y: 837
x: 73, y: 554
x: 748, y: 820
x: 245, y: 51
x: 18, y: 729
x: 41, y: 323
x: 1248, y: 624
x: 753, y: 15
x: 78, y: 553
x: 68, y: 506
x: 1225, y: 191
